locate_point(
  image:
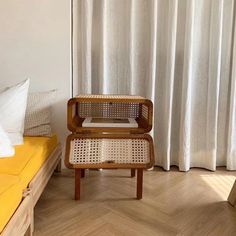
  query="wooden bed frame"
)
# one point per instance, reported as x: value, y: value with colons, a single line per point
x: 22, y: 221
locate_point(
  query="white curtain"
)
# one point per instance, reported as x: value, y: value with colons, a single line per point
x: 181, y: 54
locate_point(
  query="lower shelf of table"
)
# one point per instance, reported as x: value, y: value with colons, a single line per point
x: 124, y: 151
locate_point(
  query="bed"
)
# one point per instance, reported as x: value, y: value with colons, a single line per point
x: 23, y: 179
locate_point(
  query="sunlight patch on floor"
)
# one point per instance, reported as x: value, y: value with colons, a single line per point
x: 221, y: 184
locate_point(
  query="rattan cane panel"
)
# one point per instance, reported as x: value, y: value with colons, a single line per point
x: 99, y: 96
x: 145, y: 111
x: 108, y: 110
x: 120, y: 151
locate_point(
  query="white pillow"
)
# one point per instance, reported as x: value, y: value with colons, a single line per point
x: 13, y: 102
x: 38, y: 113
x: 6, y: 149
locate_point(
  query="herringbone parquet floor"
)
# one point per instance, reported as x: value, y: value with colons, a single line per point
x: 174, y: 203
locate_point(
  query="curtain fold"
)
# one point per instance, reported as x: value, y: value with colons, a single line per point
x: 231, y: 144
x: 181, y: 55
x: 187, y: 89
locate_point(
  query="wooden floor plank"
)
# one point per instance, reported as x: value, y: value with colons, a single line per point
x: 174, y: 203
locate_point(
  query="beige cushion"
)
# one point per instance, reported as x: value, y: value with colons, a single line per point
x: 38, y: 114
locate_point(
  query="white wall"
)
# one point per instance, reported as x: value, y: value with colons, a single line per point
x: 35, y: 44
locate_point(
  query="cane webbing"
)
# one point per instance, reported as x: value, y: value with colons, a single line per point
x: 99, y: 96
x: 100, y: 150
x: 108, y: 110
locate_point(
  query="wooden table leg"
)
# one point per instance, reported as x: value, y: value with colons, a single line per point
x: 82, y: 173
x: 232, y: 195
x: 139, y: 183
x: 77, y: 183
x: 132, y: 173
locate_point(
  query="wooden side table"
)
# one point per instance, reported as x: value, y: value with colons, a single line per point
x: 109, y: 147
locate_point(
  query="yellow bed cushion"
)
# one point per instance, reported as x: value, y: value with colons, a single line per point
x: 10, y: 197
x: 28, y: 158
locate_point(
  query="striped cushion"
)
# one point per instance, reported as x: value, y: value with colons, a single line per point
x: 38, y: 114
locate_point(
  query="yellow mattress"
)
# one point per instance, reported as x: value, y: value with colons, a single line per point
x: 10, y: 197
x: 28, y: 158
